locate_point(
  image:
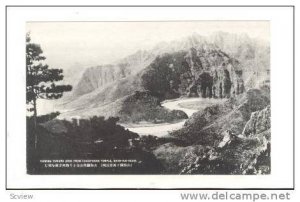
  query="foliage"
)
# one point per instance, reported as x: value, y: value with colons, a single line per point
x: 94, y: 138
x: 47, y: 117
x: 98, y: 129
x: 40, y: 79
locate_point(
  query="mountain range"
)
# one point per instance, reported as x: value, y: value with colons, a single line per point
x: 219, y: 65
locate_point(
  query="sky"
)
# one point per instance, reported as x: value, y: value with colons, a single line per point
x: 78, y: 45
x: 70, y: 44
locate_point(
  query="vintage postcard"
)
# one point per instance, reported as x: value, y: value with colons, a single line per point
x: 156, y: 97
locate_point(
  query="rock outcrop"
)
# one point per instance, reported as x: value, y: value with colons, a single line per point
x: 100, y: 76
x: 244, y: 65
x: 142, y: 106
x: 247, y: 153
x: 207, y: 126
x: 259, y: 122
x: 194, y: 66
x: 203, y: 71
x: 214, y: 73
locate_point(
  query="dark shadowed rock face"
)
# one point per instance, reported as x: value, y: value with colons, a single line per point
x: 232, y: 154
x: 240, y: 156
x: 259, y: 122
x: 215, y: 74
x: 207, y: 126
x: 221, y: 65
x: 204, y: 71
x: 142, y: 106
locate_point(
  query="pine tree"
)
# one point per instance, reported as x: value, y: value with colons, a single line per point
x: 40, y: 79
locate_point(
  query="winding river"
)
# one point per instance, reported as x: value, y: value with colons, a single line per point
x: 182, y: 104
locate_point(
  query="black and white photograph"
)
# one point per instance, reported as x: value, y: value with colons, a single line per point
x: 148, y: 97
x: 194, y: 99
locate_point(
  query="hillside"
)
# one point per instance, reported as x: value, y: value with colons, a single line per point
x: 222, y: 65
x: 229, y: 138
x: 134, y: 108
x: 103, y: 75
x: 253, y: 55
x: 86, y: 140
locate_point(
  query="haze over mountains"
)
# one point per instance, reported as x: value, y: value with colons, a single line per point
x: 222, y: 136
x: 100, y: 87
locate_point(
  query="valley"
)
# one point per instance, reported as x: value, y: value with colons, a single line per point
x: 199, y: 105
x: 163, y: 129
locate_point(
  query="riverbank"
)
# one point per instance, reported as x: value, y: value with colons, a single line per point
x: 182, y: 104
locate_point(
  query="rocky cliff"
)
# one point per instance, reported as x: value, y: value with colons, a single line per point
x: 239, y: 154
x: 214, y: 73
x: 208, y: 126
x: 231, y: 138
x: 246, y: 62
x: 216, y: 66
x: 100, y: 76
x: 204, y: 71
x: 260, y: 121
